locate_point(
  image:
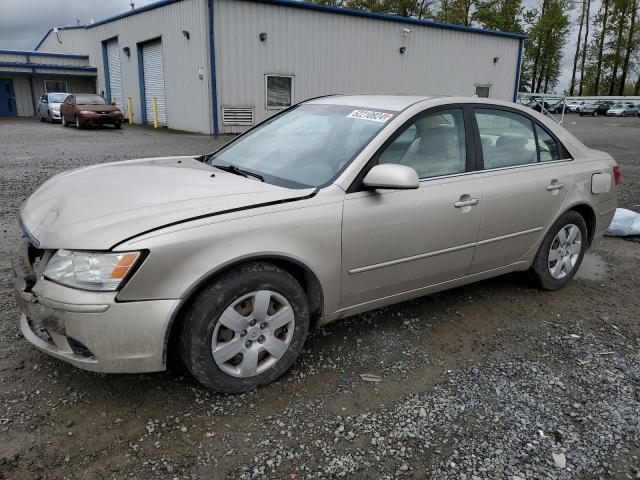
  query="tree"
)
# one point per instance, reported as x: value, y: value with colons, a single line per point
x: 603, y: 31
x: 584, y: 47
x: 619, y: 15
x: 632, y: 43
x: 502, y: 15
x: 547, y: 35
x: 575, y: 58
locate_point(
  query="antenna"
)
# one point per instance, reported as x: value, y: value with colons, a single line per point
x: 133, y: 5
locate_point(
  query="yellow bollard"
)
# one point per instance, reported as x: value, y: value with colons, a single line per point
x: 155, y: 112
x: 130, y: 110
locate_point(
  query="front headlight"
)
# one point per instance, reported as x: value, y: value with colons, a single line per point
x: 87, y: 112
x: 91, y: 270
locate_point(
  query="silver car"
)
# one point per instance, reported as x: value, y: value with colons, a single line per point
x: 49, y: 106
x: 333, y: 207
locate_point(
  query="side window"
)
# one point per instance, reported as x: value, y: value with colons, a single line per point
x: 507, y: 138
x: 547, y: 146
x: 433, y: 145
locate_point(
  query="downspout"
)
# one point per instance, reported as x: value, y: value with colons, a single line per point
x: 516, y: 84
x: 212, y: 73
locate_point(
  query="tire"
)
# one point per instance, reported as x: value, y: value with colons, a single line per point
x: 202, y: 330
x: 50, y: 118
x: 594, y: 114
x: 543, y: 265
x: 63, y: 121
x: 78, y: 123
x: 117, y: 126
x: 580, y: 113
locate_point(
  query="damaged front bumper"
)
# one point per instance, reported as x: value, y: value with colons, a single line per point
x: 91, y: 330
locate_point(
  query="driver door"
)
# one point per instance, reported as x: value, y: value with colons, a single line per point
x: 396, y: 241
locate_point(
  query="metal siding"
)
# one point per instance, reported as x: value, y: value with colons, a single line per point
x: 187, y: 96
x: 153, y: 65
x: 331, y: 53
x: 115, y: 77
x: 22, y: 91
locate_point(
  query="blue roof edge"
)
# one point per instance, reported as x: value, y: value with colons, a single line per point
x: 48, y: 67
x: 44, y: 54
x: 310, y: 6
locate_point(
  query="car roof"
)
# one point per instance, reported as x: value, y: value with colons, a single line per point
x: 394, y: 102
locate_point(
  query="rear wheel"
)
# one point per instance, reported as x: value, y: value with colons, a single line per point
x: 117, y: 126
x: 245, y: 329
x: 561, y: 252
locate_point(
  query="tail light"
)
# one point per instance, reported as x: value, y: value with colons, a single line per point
x: 616, y: 174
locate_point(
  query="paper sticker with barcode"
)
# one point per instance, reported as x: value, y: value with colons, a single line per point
x: 371, y: 115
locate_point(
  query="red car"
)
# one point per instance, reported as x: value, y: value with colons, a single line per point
x: 84, y: 109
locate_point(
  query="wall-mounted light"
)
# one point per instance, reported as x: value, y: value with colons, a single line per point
x: 127, y: 51
x: 402, y: 50
x: 186, y: 34
x: 263, y: 37
x: 496, y: 59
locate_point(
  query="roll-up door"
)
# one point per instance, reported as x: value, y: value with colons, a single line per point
x: 115, y: 77
x: 153, y: 66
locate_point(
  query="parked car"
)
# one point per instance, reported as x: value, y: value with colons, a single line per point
x: 622, y: 110
x: 49, y: 106
x: 333, y: 207
x: 574, y: 105
x: 601, y: 107
x: 537, y: 104
x: 85, y: 109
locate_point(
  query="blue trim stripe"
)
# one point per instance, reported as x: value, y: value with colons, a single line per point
x: 310, y: 6
x: 105, y: 63
x: 48, y: 67
x: 26, y: 53
x: 212, y: 73
x: 516, y: 84
x: 143, y: 100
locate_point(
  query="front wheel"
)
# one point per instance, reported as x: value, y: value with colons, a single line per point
x: 561, y: 252
x: 63, y: 121
x: 245, y: 329
x: 117, y: 126
x: 79, y: 124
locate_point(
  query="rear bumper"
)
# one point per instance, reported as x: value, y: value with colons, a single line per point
x: 92, y: 331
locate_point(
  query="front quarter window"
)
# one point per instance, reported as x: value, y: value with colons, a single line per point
x: 307, y: 146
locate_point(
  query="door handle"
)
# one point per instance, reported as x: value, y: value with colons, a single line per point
x: 555, y: 186
x: 466, y: 203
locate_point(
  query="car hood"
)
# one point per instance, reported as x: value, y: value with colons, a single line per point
x: 95, y: 208
x: 98, y: 108
x: 54, y: 105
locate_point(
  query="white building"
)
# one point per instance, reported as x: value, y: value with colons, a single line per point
x: 220, y: 66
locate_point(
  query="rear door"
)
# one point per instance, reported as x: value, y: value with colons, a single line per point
x: 526, y: 176
x: 395, y: 241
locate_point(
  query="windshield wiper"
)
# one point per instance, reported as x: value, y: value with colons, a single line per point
x: 238, y: 171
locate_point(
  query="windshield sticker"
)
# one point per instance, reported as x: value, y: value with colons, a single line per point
x: 380, y: 117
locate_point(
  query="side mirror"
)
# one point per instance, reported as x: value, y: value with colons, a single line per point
x: 392, y: 176
x: 44, y: 100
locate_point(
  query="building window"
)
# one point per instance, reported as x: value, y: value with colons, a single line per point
x: 279, y: 91
x: 483, y: 91
x: 55, y: 86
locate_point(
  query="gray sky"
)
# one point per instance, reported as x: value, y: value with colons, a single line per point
x: 24, y: 22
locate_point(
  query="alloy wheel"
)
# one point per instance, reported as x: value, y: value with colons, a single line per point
x: 564, y: 251
x: 253, y: 333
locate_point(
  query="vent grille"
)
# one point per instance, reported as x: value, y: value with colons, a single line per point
x: 237, y: 115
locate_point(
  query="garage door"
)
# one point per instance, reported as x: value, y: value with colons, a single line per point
x: 153, y: 65
x: 115, y: 77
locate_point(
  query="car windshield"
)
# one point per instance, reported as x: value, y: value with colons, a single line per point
x: 90, y: 100
x: 307, y: 146
x: 57, y: 97
x: 618, y: 105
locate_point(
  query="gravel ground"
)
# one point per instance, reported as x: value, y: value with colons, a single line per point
x: 496, y: 380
